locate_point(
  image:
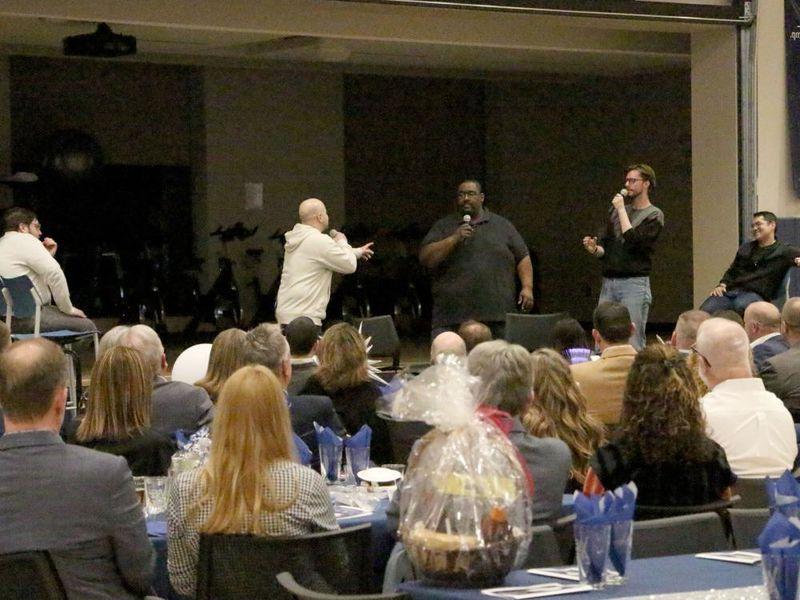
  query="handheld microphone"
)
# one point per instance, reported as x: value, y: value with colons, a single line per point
x: 333, y: 233
x: 467, y: 218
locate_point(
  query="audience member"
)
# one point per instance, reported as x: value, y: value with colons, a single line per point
x: 22, y: 253
x: 558, y: 410
x: 750, y: 423
x: 265, y: 345
x: 448, y: 343
x: 251, y: 483
x: 569, y: 339
x: 302, y: 335
x: 661, y: 444
x: 762, y: 322
x: 343, y: 376
x: 781, y: 373
x: 227, y: 356
x: 111, y: 338
x: 730, y: 315
x: 176, y: 405
x: 77, y: 503
x: 5, y: 337
x: 685, y: 334
x: 504, y: 393
x: 117, y: 417
x: 603, y: 381
x: 474, y: 333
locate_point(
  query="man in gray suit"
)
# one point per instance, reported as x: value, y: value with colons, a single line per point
x: 781, y: 373
x: 176, y: 405
x: 77, y: 503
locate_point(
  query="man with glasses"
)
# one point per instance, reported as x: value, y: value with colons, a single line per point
x: 756, y: 271
x: 475, y: 256
x: 22, y: 253
x: 626, y: 246
x: 749, y: 422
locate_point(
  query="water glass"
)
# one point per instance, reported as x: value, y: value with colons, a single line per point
x: 619, y: 552
x: 330, y: 461
x: 357, y: 460
x: 155, y: 494
x: 138, y: 485
x: 591, y: 549
x: 781, y: 575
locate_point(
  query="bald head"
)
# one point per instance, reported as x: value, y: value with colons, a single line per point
x: 790, y: 321
x: 760, y: 319
x: 312, y: 212
x: 686, y: 328
x: 448, y: 343
x: 725, y: 351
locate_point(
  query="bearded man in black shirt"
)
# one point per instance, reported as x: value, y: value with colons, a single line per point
x: 757, y: 269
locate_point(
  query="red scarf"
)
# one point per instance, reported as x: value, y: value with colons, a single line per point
x: 505, y: 423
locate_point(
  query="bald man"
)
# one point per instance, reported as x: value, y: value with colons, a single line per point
x: 685, y: 334
x: 749, y: 422
x: 762, y: 322
x: 448, y: 342
x: 781, y: 373
x: 309, y: 263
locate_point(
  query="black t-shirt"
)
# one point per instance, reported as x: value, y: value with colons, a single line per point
x: 478, y: 279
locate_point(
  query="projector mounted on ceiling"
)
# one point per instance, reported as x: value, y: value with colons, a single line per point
x: 102, y: 43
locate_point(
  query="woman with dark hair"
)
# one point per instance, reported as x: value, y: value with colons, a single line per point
x: 117, y: 418
x: 558, y: 410
x: 569, y: 340
x: 661, y: 443
x: 227, y: 355
x: 343, y: 376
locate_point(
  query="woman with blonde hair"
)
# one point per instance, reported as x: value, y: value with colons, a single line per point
x: 227, y: 355
x: 251, y: 483
x: 117, y: 418
x: 559, y: 410
x: 343, y: 376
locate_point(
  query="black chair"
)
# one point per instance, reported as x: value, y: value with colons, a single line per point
x: 531, y: 331
x: 385, y: 341
x: 645, y: 512
x: 752, y: 492
x: 26, y: 575
x: 687, y: 534
x: 544, y: 550
x: 564, y: 530
x: 748, y: 523
x: 402, y: 435
x: 243, y: 567
x: 298, y: 592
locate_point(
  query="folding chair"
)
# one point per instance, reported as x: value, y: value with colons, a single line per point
x: 298, y: 592
x: 752, y: 492
x: 385, y: 341
x: 748, y: 523
x: 402, y: 435
x: 531, y: 331
x: 687, y: 534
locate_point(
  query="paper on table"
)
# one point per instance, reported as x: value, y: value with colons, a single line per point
x: 347, y: 512
x: 568, y: 573
x: 745, y: 558
x: 541, y: 590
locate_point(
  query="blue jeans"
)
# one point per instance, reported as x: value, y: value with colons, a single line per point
x: 634, y: 294
x: 736, y: 300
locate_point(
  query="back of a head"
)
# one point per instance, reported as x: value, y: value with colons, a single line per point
x: 612, y: 320
x: 16, y: 216
x: 119, y: 404
x: 145, y: 340
x: 724, y: 344
x: 790, y: 315
x: 309, y: 208
x: 729, y: 315
x: 265, y: 345
x: 30, y: 374
x: 686, y: 327
x: 450, y: 343
x: 474, y: 333
x: 505, y: 375
x: 342, y: 357
x: 302, y: 334
x: 761, y: 318
x: 226, y: 356
x: 568, y: 333
x: 111, y: 338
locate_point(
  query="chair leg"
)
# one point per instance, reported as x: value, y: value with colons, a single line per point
x: 72, y: 383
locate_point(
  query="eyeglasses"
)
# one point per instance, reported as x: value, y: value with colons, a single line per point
x: 696, y: 351
x: 632, y: 180
x: 467, y: 194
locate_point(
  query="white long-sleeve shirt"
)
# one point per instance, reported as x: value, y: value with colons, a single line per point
x: 24, y: 254
x: 309, y: 263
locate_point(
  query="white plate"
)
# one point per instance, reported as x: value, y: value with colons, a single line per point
x: 379, y: 475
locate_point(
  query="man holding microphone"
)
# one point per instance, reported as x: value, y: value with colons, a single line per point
x: 625, y: 248
x: 475, y: 256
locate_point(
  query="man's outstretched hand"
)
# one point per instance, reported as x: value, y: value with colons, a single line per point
x: 367, y: 251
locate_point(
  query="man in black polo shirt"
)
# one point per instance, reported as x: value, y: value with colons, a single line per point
x: 474, y: 263
x: 757, y: 269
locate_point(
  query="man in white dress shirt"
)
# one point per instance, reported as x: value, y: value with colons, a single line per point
x: 750, y: 423
x: 23, y: 253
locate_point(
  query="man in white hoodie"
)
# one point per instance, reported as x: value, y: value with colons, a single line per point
x: 309, y: 263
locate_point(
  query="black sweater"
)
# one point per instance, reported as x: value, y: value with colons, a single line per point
x: 630, y: 255
x: 760, y: 270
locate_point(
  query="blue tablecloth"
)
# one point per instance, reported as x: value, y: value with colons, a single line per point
x: 670, y: 574
x: 381, y: 548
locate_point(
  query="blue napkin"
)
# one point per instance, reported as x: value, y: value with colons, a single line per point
x: 330, y: 451
x: 594, y: 509
x: 326, y: 436
x: 780, y: 553
x: 784, y: 494
x: 623, y: 506
x: 361, y: 439
x: 303, y: 452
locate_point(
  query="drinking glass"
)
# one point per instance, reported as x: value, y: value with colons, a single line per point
x: 591, y: 549
x: 155, y: 494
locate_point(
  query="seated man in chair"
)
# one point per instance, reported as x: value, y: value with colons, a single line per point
x: 22, y: 253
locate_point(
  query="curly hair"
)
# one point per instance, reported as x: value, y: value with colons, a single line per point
x: 661, y: 412
x: 559, y: 410
x: 342, y: 358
